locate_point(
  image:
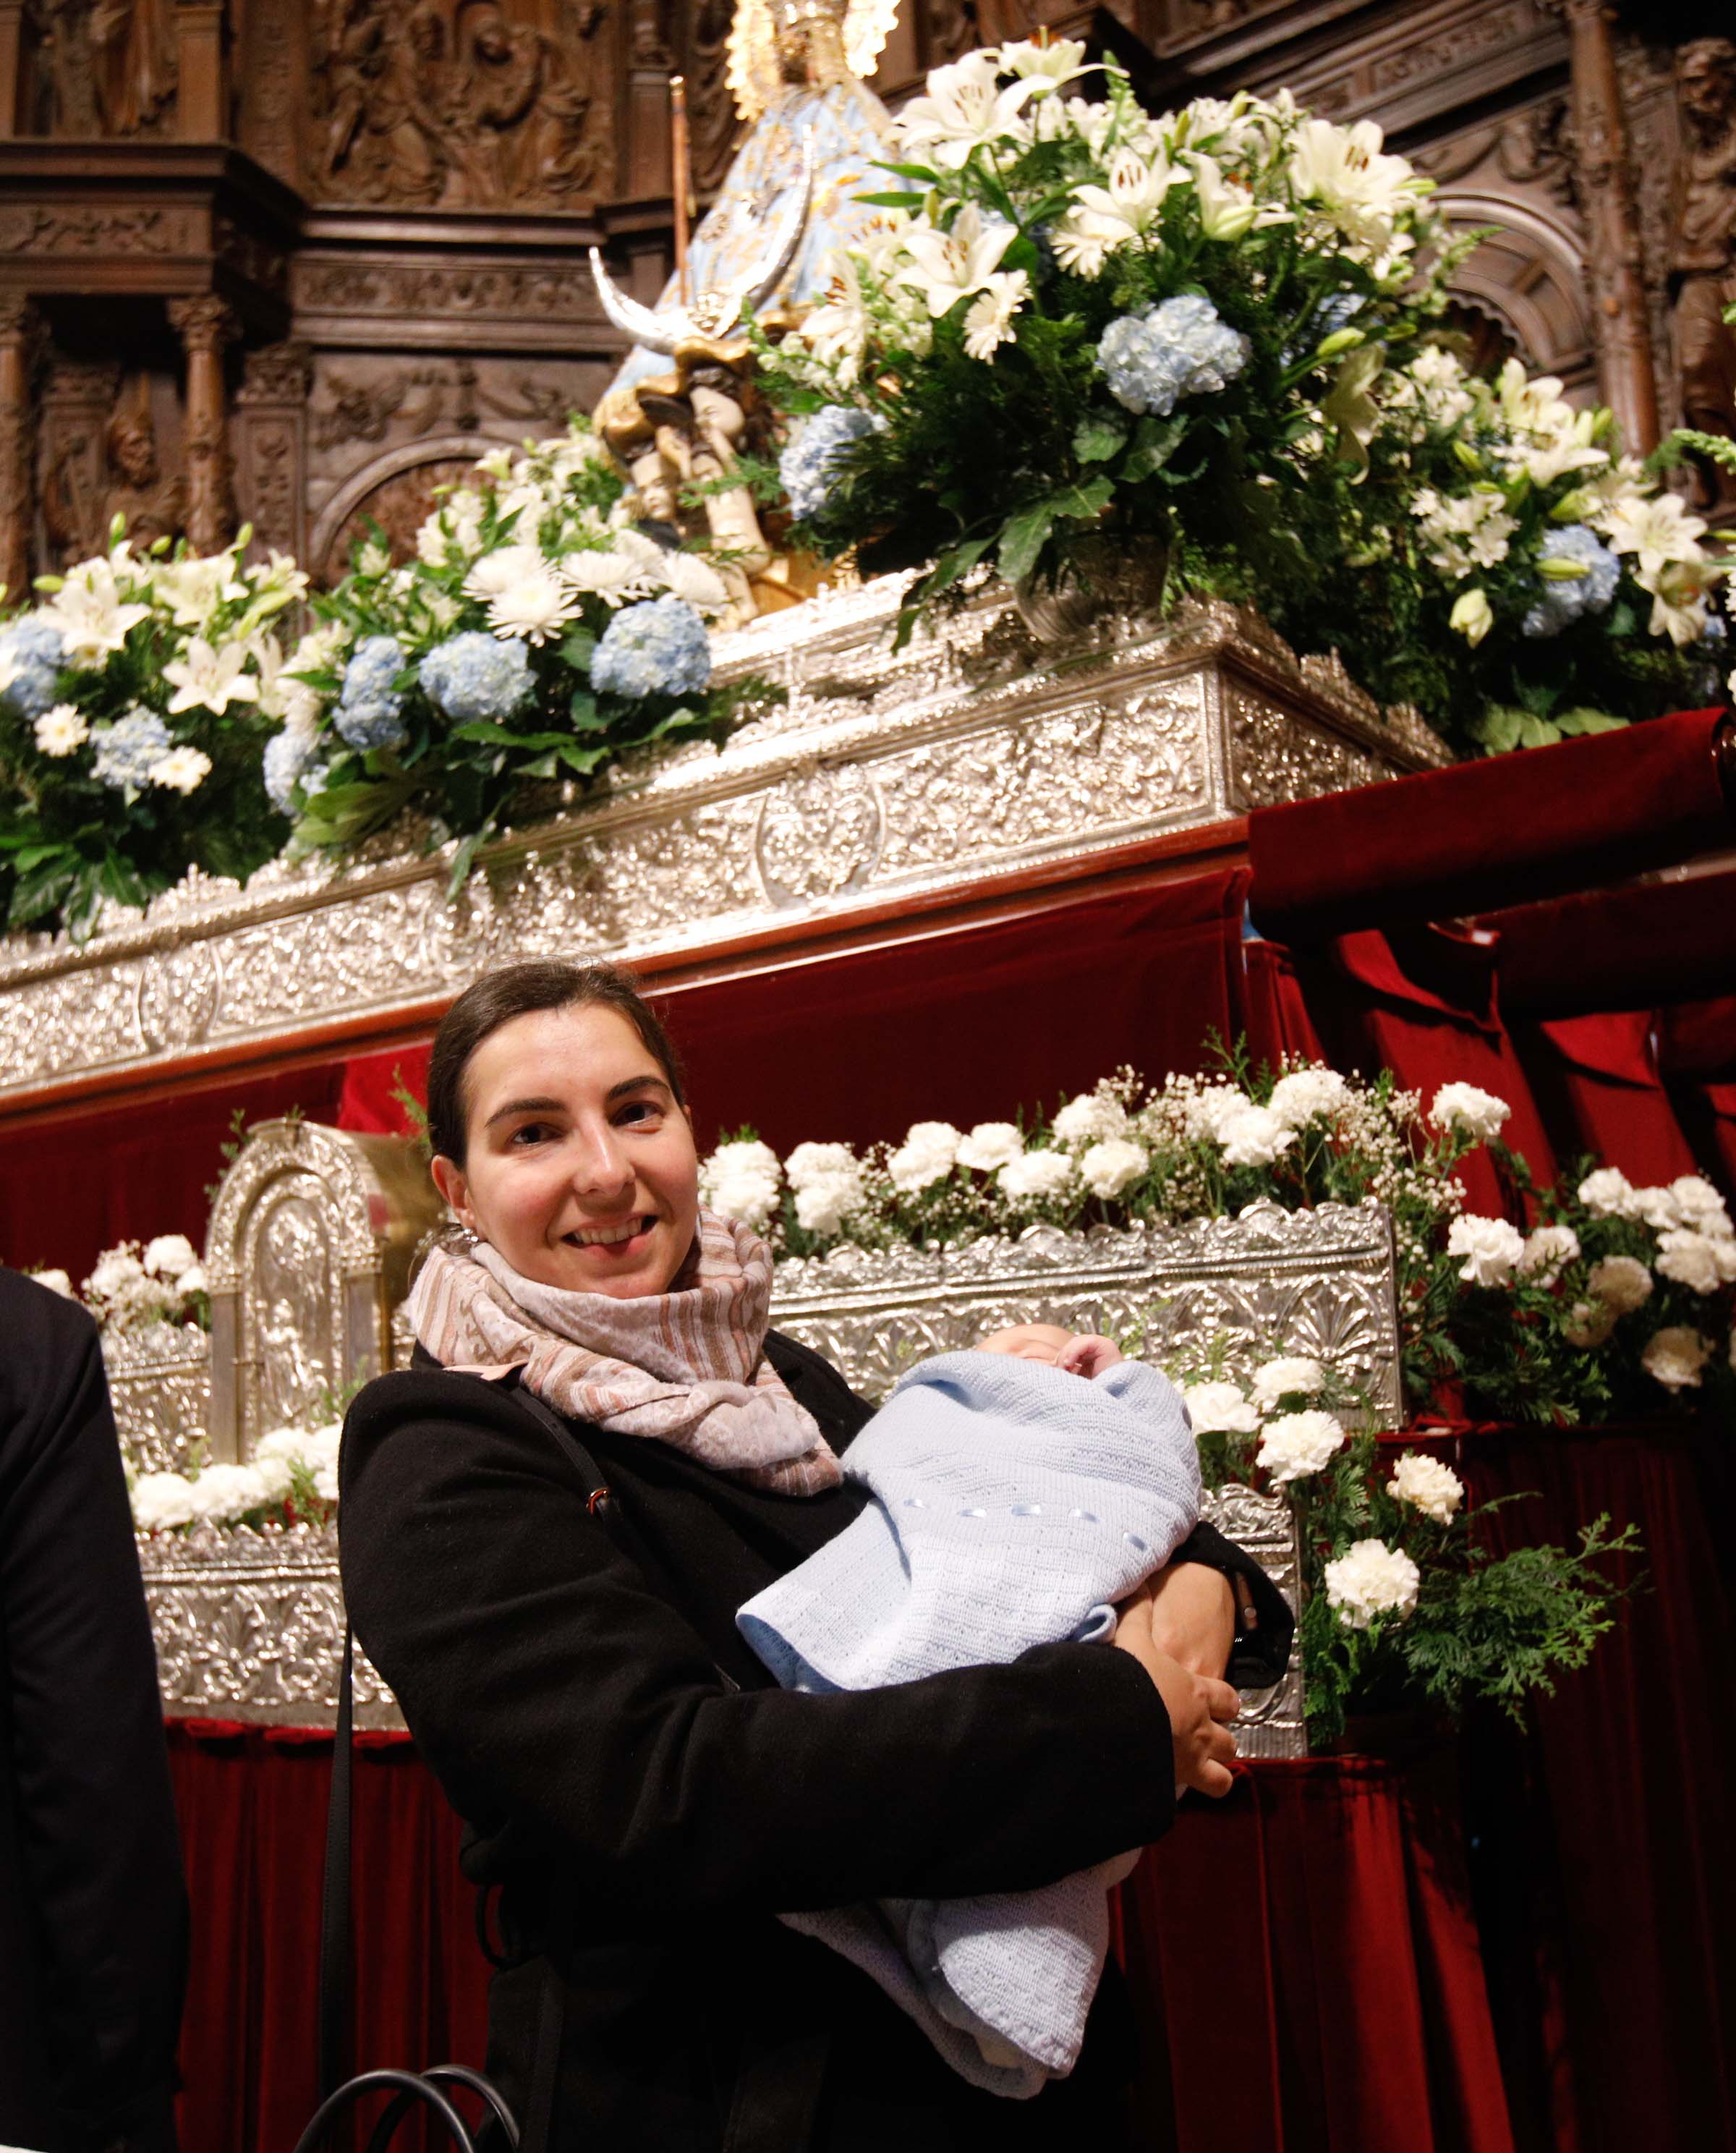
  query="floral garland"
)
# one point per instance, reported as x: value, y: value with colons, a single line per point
x: 1618, y: 1299
x: 131, y: 1287
x: 291, y: 1478
x: 134, y: 705
x: 1223, y: 330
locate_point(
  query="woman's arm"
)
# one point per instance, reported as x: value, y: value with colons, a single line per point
x: 551, y: 1690
x: 1216, y: 1611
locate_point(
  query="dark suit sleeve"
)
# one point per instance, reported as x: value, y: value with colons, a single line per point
x: 96, y: 1833
x: 553, y: 1691
x: 1260, y: 1652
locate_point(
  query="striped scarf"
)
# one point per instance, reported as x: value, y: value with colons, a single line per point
x: 686, y: 1367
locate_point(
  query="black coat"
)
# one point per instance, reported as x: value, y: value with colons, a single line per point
x: 93, y: 1908
x: 578, y: 1684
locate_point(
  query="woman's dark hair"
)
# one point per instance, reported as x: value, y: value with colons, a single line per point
x: 548, y: 983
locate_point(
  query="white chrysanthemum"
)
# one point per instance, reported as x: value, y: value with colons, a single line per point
x: 1219, y: 1408
x: 1292, y: 1375
x: 1547, y: 1253
x: 168, y: 1255
x: 183, y: 769
x: 1255, y: 1136
x: 161, y: 1501
x: 1695, y: 1260
x: 1490, y: 1247
x: 742, y: 1181
x: 499, y: 570
x: 56, y: 1282
x: 1479, y: 1114
x: 1675, y: 1357
x: 60, y: 730
x: 1609, y: 1192
x: 1308, y: 1094
x: 1427, y: 1485
x: 1700, y: 1206
x: 988, y: 317
x: 1621, y: 1283
x: 1090, y: 1119
x: 1369, y: 1579
x: 535, y: 608
x: 1037, y: 1176
x: 926, y: 1156
x: 694, y: 580
x: 1108, y: 1167
x: 1296, y: 1445
x: 989, y: 1146
x: 1588, y: 1323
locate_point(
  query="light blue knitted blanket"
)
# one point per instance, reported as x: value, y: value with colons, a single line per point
x: 1013, y: 1506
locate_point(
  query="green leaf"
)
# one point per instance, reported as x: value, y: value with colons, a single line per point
x: 923, y: 172
x: 44, y: 891
x: 957, y: 562
x: 1499, y: 727
x: 583, y: 711
x: 1537, y: 732
x: 487, y: 735
x: 1085, y: 502
x: 576, y: 648
x: 1155, y: 440
x: 1589, y: 722
x: 1096, y: 440
x: 1023, y: 539
x: 902, y: 200
x: 119, y: 879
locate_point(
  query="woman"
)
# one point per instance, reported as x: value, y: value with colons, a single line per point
x: 646, y: 1798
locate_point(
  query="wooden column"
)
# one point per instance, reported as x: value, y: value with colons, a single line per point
x: 201, y: 99
x: 1614, y: 258
x: 205, y: 325
x: 18, y: 328
x: 12, y: 66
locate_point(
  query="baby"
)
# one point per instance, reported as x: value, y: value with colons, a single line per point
x: 1019, y: 1492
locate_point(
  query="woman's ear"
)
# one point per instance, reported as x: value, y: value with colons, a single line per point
x: 449, y: 1181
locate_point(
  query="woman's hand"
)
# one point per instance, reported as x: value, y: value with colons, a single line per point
x: 1193, y: 1615
x: 1198, y: 1706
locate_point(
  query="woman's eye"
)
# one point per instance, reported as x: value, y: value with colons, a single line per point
x: 637, y: 1113
x: 531, y: 1132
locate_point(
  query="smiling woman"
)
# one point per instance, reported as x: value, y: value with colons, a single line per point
x: 647, y: 1798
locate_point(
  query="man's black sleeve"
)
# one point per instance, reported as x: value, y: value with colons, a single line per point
x: 96, y: 1842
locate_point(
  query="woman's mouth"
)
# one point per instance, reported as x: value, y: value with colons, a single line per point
x: 618, y: 1236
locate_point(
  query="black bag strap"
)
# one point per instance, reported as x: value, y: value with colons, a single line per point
x: 337, y: 1970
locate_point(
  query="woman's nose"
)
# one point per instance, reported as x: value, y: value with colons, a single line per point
x: 601, y: 1167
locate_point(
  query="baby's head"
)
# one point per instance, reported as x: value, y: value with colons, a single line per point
x: 1047, y: 1342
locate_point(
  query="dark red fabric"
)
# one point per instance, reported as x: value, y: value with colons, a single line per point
x: 368, y: 1101
x: 77, y: 1187
x: 1595, y: 1082
x: 1275, y: 1010
x: 967, y: 1025
x: 1697, y: 1058
x: 1499, y: 831
x: 1422, y: 1002
x: 1603, y: 1843
x: 1305, y: 1952
x: 1632, y: 948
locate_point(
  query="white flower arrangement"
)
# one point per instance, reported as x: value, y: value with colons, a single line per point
x: 1370, y: 1580
x: 292, y: 1476
x: 130, y: 1286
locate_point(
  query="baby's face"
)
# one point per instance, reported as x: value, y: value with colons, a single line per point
x: 1030, y: 1342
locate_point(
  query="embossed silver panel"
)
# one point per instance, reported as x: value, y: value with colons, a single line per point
x: 971, y: 753
x: 160, y: 1385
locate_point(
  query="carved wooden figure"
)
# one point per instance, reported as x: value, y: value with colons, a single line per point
x: 1702, y: 267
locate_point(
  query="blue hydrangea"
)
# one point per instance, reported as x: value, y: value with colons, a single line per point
x: 1173, y: 349
x: 1567, y: 601
x: 126, y: 749
x: 287, y: 755
x: 369, y: 712
x: 657, y: 648
x: 37, y: 650
x: 807, y: 463
x: 476, y: 677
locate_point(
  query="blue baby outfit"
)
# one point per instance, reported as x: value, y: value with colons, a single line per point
x: 1013, y: 1504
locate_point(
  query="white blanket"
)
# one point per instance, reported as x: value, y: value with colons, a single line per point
x: 1014, y: 1505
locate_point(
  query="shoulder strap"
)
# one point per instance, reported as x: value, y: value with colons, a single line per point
x: 561, y: 1428
x: 336, y: 1966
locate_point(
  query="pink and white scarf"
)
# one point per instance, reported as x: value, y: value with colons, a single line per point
x: 687, y: 1367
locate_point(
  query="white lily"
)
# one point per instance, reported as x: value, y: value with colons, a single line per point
x: 946, y: 266
x: 1227, y: 210
x: 966, y: 108
x: 193, y: 588
x: 87, y: 612
x: 1045, y: 67
x: 1679, y: 590
x: 1656, y: 529
x: 1361, y: 188
x: 208, y: 679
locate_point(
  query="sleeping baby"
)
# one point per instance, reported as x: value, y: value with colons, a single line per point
x: 1020, y: 1491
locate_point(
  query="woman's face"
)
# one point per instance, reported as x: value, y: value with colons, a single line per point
x: 580, y: 1168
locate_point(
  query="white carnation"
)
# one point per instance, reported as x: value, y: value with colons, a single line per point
x: 1490, y: 1247
x: 1621, y: 1283
x: 116, y: 1272
x: 989, y: 1146
x: 1547, y: 1253
x: 741, y: 1181
x: 1428, y: 1486
x: 1657, y: 1207
x: 223, y: 1493
x: 1207, y: 1112
x: 193, y: 1280
x: 1480, y: 1115
x: 56, y: 1282
x: 1037, y: 1176
x: 1291, y: 1375
x: 1608, y: 1192
x: 1588, y: 1323
x: 827, y: 1180
x: 1296, y: 1444
x: 1108, y: 1167
x: 168, y: 1255
x: 1308, y: 1094
x: 161, y: 1501
x: 1695, y: 1260
x: 1095, y: 1118
x: 1255, y: 1136
x: 926, y: 1156
x: 1701, y: 1206
x: 811, y: 1164
x: 1220, y: 1409
x: 1371, y: 1579
x: 1675, y: 1357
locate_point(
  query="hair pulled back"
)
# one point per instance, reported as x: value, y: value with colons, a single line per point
x: 515, y: 990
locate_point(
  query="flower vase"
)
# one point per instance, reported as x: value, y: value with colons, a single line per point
x: 1109, y: 589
